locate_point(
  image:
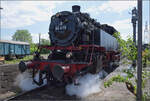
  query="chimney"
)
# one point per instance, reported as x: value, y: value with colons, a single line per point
x: 76, y: 8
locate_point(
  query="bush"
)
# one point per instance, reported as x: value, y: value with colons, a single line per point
x: 33, y: 48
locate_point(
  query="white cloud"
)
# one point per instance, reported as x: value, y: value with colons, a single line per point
x: 23, y: 13
x: 117, y: 6
x: 124, y: 27
x: 122, y: 24
x: 45, y: 36
x: 112, y: 6
x: 92, y: 10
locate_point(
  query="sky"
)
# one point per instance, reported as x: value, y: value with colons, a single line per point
x: 35, y: 16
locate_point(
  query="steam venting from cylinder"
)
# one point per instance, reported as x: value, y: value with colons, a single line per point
x: 76, y: 8
x: 89, y: 84
x: 25, y: 82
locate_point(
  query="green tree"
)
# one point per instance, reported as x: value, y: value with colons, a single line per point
x: 22, y: 35
x: 33, y: 48
x: 127, y: 47
x: 145, y: 56
x: 45, y: 42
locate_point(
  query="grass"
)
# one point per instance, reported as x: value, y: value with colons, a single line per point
x: 14, y: 61
x: 26, y: 58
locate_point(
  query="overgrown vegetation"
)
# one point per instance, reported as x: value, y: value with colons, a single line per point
x: 146, y: 57
x: 45, y: 42
x: 34, y: 47
x: 127, y: 80
x: 14, y: 61
x: 129, y: 50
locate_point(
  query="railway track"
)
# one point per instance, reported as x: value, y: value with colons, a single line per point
x: 43, y: 93
x: 25, y: 93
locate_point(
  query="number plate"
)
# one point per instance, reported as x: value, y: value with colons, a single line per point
x: 60, y: 28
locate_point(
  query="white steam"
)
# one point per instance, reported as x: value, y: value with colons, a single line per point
x: 88, y: 84
x: 25, y: 81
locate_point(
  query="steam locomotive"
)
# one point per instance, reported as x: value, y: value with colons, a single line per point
x: 79, y: 45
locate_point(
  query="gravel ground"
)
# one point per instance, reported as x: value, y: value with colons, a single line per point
x: 147, y: 85
x: 8, y: 74
x: 116, y: 92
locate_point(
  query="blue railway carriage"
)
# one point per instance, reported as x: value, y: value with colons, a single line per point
x: 18, y: 49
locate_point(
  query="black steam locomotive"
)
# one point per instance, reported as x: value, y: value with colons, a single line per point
x: 79, y: 45
x: 76, y: 28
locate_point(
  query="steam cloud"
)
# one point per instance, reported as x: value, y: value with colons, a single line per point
x: 89, y: 84
x: 25, y: 82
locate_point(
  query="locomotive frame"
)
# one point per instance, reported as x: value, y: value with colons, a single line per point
x: 71, y: 70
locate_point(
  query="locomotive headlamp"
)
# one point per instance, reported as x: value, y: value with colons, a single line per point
x: 69, y: 54
x: 65, y: 67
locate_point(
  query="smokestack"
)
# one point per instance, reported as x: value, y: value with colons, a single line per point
x: 76, y: 8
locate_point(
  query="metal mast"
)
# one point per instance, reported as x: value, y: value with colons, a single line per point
x: 139, y: 67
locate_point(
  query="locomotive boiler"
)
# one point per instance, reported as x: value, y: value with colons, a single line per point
x: 79, y: 45
x: 76, y: 28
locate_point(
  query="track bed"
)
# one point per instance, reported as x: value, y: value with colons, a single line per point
x: 44, y: 93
